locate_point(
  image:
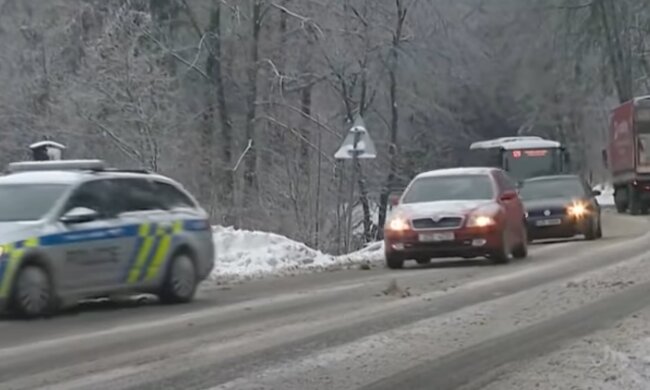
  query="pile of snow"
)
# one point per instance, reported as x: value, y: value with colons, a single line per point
x: 606, y: 197
x: 245, y: 254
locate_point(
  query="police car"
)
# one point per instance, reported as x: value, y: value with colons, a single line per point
x: 76, y: 229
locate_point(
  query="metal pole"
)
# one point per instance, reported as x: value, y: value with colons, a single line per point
x: 353, y: 176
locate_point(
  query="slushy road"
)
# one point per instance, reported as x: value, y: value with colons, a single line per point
x: 452, y: 324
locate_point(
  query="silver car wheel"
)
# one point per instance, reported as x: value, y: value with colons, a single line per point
x: 183, y: 277
x: 33, y: 293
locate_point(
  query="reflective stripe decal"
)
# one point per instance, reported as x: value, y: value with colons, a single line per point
x: 143, y: 270
x: 196, y: 225
x: 90, y: 235
x: 177, y: 227
x: 31, y: 243
x: 10, y: 260
x: 4, y: 263
x: 191, y: 225
x: 161, y: 254
x: 143, y: 247
x: 150, y: 251
x: 153, y: 249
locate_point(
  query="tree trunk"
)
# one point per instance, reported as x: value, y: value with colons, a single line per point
x: 394, y: 123
x: 615, y: 45
x: 165, y: 12
x: 305, y: 109
x: 215, y: 69
x: 250, y: 168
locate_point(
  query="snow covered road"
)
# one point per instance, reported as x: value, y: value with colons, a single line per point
x: 454, y: 323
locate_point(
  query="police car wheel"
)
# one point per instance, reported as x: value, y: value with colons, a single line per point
x: 180, y: 282
x: 32, y: 296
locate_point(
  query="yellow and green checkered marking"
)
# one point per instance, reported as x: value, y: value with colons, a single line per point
x: 10, y: 259
x: 151, y: 251
x: 153, y: 244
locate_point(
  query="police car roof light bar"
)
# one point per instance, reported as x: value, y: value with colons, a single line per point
x: 56, y: 165
x: 128, y: 170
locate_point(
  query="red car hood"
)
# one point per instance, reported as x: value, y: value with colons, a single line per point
x: 446, y: 207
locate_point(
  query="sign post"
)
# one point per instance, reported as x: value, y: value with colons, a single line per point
x: 357, y: 144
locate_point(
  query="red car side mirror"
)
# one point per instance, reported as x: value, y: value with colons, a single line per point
x: 507, y: 196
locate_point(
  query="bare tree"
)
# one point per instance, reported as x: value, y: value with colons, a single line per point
x: 401, y: 11
x: 245, y: 102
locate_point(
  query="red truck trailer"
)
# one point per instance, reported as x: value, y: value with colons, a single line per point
x: 628, y: 155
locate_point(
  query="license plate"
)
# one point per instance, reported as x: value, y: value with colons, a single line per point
x: 549, y: 222
x: 437, y: 237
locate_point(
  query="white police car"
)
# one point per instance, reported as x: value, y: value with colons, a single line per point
x: 75, y: 229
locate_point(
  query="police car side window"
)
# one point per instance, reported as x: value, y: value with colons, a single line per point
x: 93, y: 195
x: 139, y: 195
x: 172, y: 197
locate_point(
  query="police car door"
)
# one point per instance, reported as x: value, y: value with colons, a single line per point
x: 144, y: 207
x: 94, y: 249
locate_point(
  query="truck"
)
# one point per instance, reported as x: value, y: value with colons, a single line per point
x: 522, y: 157
x: 627, y: 155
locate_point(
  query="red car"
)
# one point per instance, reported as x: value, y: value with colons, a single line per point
x: 458, y: 212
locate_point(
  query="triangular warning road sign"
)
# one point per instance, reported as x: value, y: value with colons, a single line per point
x: 364, y: 147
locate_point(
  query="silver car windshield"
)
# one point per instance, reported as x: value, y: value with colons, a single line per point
x: 456, y: 187
x: 28, y: 202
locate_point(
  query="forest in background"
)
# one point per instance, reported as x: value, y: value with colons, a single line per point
x: 246, y: 101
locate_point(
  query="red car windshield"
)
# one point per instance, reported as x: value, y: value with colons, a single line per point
x: 453, y: 187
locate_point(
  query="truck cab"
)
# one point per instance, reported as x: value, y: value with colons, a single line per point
x: 522, y: 157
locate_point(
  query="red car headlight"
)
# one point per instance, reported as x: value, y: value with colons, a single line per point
x: 480, y: 221
x: 398, y: 224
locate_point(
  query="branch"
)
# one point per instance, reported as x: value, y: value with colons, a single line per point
x: 303, y: 114
x: 198, y: 51
x: 300, y: 136
x: 178, y: 57
x: 192, y: 17
x: 358, y: 15
x: 574, y: 7
x: 121, y: 144
x: 303, y: 19
x: 250, y: 145
x: 313, y: 81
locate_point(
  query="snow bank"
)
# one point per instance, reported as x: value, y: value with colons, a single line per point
x: 606, y: 198
x: 245, y: 254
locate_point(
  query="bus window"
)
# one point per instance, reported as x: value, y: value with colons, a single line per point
x: 526, y: 163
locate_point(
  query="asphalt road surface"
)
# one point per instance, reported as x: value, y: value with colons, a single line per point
x: 453, y: 324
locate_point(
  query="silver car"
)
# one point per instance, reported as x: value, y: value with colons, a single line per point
x: 76, y: 229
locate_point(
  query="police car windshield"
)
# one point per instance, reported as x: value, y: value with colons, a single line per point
x: 28, y: 202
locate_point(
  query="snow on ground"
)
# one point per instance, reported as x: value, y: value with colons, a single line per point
x: 245, y: 254
x: 612, y: 359
x: 393, y: 351
x: 606, y: 198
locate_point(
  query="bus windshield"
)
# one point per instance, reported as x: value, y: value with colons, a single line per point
x: 527, y: 163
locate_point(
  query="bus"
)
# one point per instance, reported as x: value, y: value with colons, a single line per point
x: 522, y: 157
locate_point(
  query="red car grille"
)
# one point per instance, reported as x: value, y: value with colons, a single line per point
x: 442, y: 223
